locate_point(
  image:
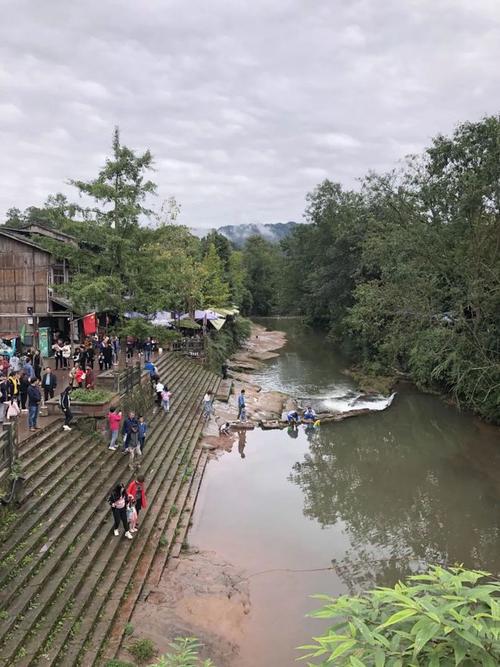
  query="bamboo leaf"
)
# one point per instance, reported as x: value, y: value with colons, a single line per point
x: 397, y: 618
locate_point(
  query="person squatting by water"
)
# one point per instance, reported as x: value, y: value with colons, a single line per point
x: 118, y: 499
x: 309, y: 414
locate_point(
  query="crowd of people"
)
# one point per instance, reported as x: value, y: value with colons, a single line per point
x: 25, y: 383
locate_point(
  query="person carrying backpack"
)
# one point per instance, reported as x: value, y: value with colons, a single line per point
x: 65, y: 405
x: 118, y: 501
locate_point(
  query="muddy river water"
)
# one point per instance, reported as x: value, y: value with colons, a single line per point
x: 353, y: 504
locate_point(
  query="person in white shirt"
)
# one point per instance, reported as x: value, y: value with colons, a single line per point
x: 159, y: 389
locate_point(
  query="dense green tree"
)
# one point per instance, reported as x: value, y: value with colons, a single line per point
x: 409, y: 267
x: 215, y: 288
x: 262, y: 261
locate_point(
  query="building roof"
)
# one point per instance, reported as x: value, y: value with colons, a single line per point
x: 42, y: 230
x: 21, y: 239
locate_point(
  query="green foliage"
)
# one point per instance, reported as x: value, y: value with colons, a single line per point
x: 142, y: 650
x: 140, y: 401
x: 118, y: 264
x: 409, y: 270
x: 183, y: 653
x: 444, y: 617
x: 222, y: 344
x: 91, y: 395
x: 142, y: 329
x: 262, y: 263
x: 215, y: 289
x: 118, y: 663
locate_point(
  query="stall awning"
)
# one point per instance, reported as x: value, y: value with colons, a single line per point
x: 228, y: 311
x: 188, y: 323
x: 218, y: 323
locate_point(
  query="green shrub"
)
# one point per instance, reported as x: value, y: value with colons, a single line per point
x: 91, y: 395
x: 142, y: 650
x: 222, y: 344
x: 184, y: 653
x: 442, y: 618
x: 118, y: 663
x: 140, y: 401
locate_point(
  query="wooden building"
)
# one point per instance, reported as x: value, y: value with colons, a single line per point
x: 28, y: 276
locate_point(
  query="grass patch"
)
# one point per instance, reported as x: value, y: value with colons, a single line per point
x: 142, y: 650
x: 91, y: 395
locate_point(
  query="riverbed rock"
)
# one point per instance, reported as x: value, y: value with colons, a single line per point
x: 199, y: 595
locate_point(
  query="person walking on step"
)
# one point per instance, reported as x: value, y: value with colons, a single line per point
x: 207, y: 405
x: 131, y: 515
x: 159, y: 387
x: 34, y: 400
x: 49, y: 383
x: 114, y: 420
x: 166, y: 395
x: 137, y: 490
x: 143, y: 429
x: 118, y: 501
x: 65, y: 405
x: 130, y: 432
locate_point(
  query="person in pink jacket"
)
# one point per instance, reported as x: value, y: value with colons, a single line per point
x: 114, y: 419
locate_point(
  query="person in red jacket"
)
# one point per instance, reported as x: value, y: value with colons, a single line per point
x: 136, y: 490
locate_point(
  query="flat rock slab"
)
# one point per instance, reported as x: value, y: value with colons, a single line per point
x: 224, y: 390
x: 199, y: 595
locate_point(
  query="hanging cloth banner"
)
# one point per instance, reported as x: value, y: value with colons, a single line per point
x: 89, y: 324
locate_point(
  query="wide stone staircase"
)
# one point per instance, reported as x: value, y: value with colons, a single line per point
x: 68, y: 586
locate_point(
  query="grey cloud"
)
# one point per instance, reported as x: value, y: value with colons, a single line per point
x: 245, y: 106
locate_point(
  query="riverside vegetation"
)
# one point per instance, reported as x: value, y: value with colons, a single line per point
x: 405, y: 270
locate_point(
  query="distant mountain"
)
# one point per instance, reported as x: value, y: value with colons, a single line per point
x: 238, y: 234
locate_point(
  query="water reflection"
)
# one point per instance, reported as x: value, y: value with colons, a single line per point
x: 242, y: 441
x: 405, y: 495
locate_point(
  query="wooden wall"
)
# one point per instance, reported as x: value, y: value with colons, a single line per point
x: 24, y: 281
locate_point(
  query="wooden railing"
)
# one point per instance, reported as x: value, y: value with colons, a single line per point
x: 192, y: 347
x: 8, y: 448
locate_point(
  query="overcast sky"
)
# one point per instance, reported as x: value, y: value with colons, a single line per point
x: 245, y: 104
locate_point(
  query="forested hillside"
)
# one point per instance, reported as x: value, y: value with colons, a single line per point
x: 408, y: 267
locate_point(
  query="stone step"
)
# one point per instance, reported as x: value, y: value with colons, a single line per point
x: 107, y: 633
x: 78, y: 556
x: 106, y: 576
x: 225, y: 390
x: 14, y: 586
x: 49, y: 508
x: 37, y: 510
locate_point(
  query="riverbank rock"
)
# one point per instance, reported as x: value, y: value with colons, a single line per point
x: 199, y: 595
